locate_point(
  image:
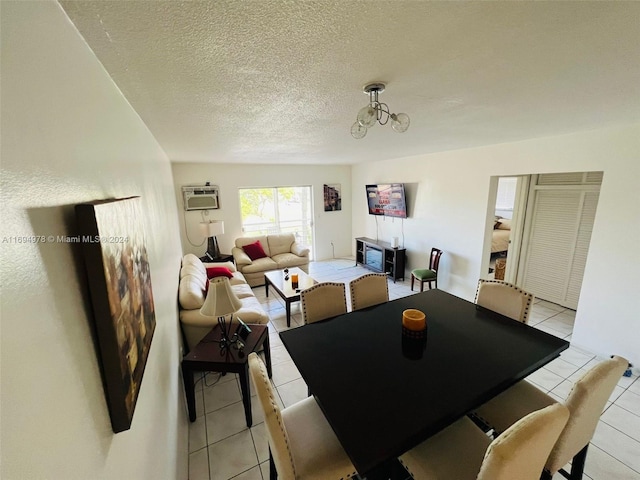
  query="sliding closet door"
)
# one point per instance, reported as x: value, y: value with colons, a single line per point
x: 561, y: 216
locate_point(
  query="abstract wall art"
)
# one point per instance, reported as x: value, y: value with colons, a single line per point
x: 115, y: 257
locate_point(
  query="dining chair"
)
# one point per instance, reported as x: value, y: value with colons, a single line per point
x: 302, y: 444
x: 462, y: 451
x: 428, y: 275
x: 369, y: 289
x: 585, y: 402
x: 504, y: 298
x: 323, y: 300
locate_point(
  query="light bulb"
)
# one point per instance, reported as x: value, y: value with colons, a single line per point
x: 367, y: 116
x: 400, y: 122
x: 358, y: 131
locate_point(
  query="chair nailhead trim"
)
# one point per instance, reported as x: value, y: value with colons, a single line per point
x: 276, y: 410
x: 529, y: 296
x: 315, y: 287
x: 357, y: 280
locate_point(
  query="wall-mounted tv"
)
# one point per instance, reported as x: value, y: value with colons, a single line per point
x: 387, y: 199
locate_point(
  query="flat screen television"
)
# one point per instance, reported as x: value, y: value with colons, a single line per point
x: 387, y: 199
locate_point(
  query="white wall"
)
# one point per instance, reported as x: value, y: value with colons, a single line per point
x: 329, y: 226
x: 69, y: 136
x: 449, y: 209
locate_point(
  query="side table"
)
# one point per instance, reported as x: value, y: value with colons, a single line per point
x: 224, y: 257
x: 207, y: 357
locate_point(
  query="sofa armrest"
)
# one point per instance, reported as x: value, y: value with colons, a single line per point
x: 240, y: 257
x: 299, y: 250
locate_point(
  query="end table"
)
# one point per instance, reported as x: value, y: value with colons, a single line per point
x: 224, y: 257
x: 207, y: 357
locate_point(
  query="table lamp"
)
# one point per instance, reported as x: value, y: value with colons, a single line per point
x: 211, y: 229
x: 220, y: 302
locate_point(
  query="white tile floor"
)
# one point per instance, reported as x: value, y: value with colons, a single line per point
x: 222, y: 447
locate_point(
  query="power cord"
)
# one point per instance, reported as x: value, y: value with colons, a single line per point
x: 186, y: 230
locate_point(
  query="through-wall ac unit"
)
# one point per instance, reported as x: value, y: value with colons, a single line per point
x: 200, y: 197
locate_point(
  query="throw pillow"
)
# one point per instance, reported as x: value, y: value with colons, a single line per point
x: 254, y: 250
x: 219, y: 272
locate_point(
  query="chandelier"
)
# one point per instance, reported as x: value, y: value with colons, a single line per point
x: 377, y: 112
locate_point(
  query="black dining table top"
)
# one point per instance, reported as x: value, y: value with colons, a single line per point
x: 383, y: 393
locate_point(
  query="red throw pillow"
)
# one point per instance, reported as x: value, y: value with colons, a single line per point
x: 254, y: 250
x: 219, y: 272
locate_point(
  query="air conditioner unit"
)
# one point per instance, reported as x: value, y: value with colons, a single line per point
x: 200, y: 197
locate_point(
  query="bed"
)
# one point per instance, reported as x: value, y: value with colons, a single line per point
x: 501, y: 233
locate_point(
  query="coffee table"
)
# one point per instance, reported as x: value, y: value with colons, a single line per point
x: 276, y: 279
x: 207, y: 357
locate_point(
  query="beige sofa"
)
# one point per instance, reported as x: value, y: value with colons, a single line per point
x: 191, y: 295
x: 282, y: 252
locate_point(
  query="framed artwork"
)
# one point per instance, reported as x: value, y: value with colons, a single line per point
x: 115, y: 257
x: 332, y: 197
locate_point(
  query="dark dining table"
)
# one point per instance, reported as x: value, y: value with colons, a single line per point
x: 383, y: 393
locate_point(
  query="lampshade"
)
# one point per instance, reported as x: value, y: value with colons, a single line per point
x: 220, y: 299
x: 213, y: 228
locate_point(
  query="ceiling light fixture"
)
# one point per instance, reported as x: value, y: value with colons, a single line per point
x: 377, y: 112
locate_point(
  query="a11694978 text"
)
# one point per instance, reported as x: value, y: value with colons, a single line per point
x: 20, y: 239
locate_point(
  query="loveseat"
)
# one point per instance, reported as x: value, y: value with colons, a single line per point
x: 280, y: 251
x: 191, y: 295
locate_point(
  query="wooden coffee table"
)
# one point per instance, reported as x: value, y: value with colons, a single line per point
x: 283, y: 287
x: 207, y: 357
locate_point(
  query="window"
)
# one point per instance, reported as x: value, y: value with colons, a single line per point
x: 278, y: 210
x: 506, y: 193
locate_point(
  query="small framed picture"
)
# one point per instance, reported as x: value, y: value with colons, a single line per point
x: 332, y: 197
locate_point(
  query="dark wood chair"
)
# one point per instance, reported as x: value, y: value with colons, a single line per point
x: 430, y: 274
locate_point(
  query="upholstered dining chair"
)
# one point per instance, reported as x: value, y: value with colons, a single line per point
x: 504, y: 298
x: 323, y: 300
x: 428, y: 275
x: 369, y: 289
x: 585, y: 402
x: 302, y: 444
x: 463, y: 452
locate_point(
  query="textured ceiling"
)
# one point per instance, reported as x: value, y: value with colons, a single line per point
x: 280, y: 81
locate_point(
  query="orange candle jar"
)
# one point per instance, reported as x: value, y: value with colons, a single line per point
x: 294, y: 280
x: 414, y: 320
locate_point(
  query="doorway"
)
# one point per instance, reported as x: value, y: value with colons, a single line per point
x: 549, y: 218
x: 507, y: 227
x: 273, y: 210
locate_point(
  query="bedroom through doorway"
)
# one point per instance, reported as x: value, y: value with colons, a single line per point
x: 506, y: 233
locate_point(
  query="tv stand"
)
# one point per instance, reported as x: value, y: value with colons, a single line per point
x: 380, y: 256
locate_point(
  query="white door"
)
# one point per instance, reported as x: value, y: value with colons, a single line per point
x: 557, y: 235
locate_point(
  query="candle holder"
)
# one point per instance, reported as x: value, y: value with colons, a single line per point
x: 414, y: 333
x: 414, y: 320
x: 413, y: 347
